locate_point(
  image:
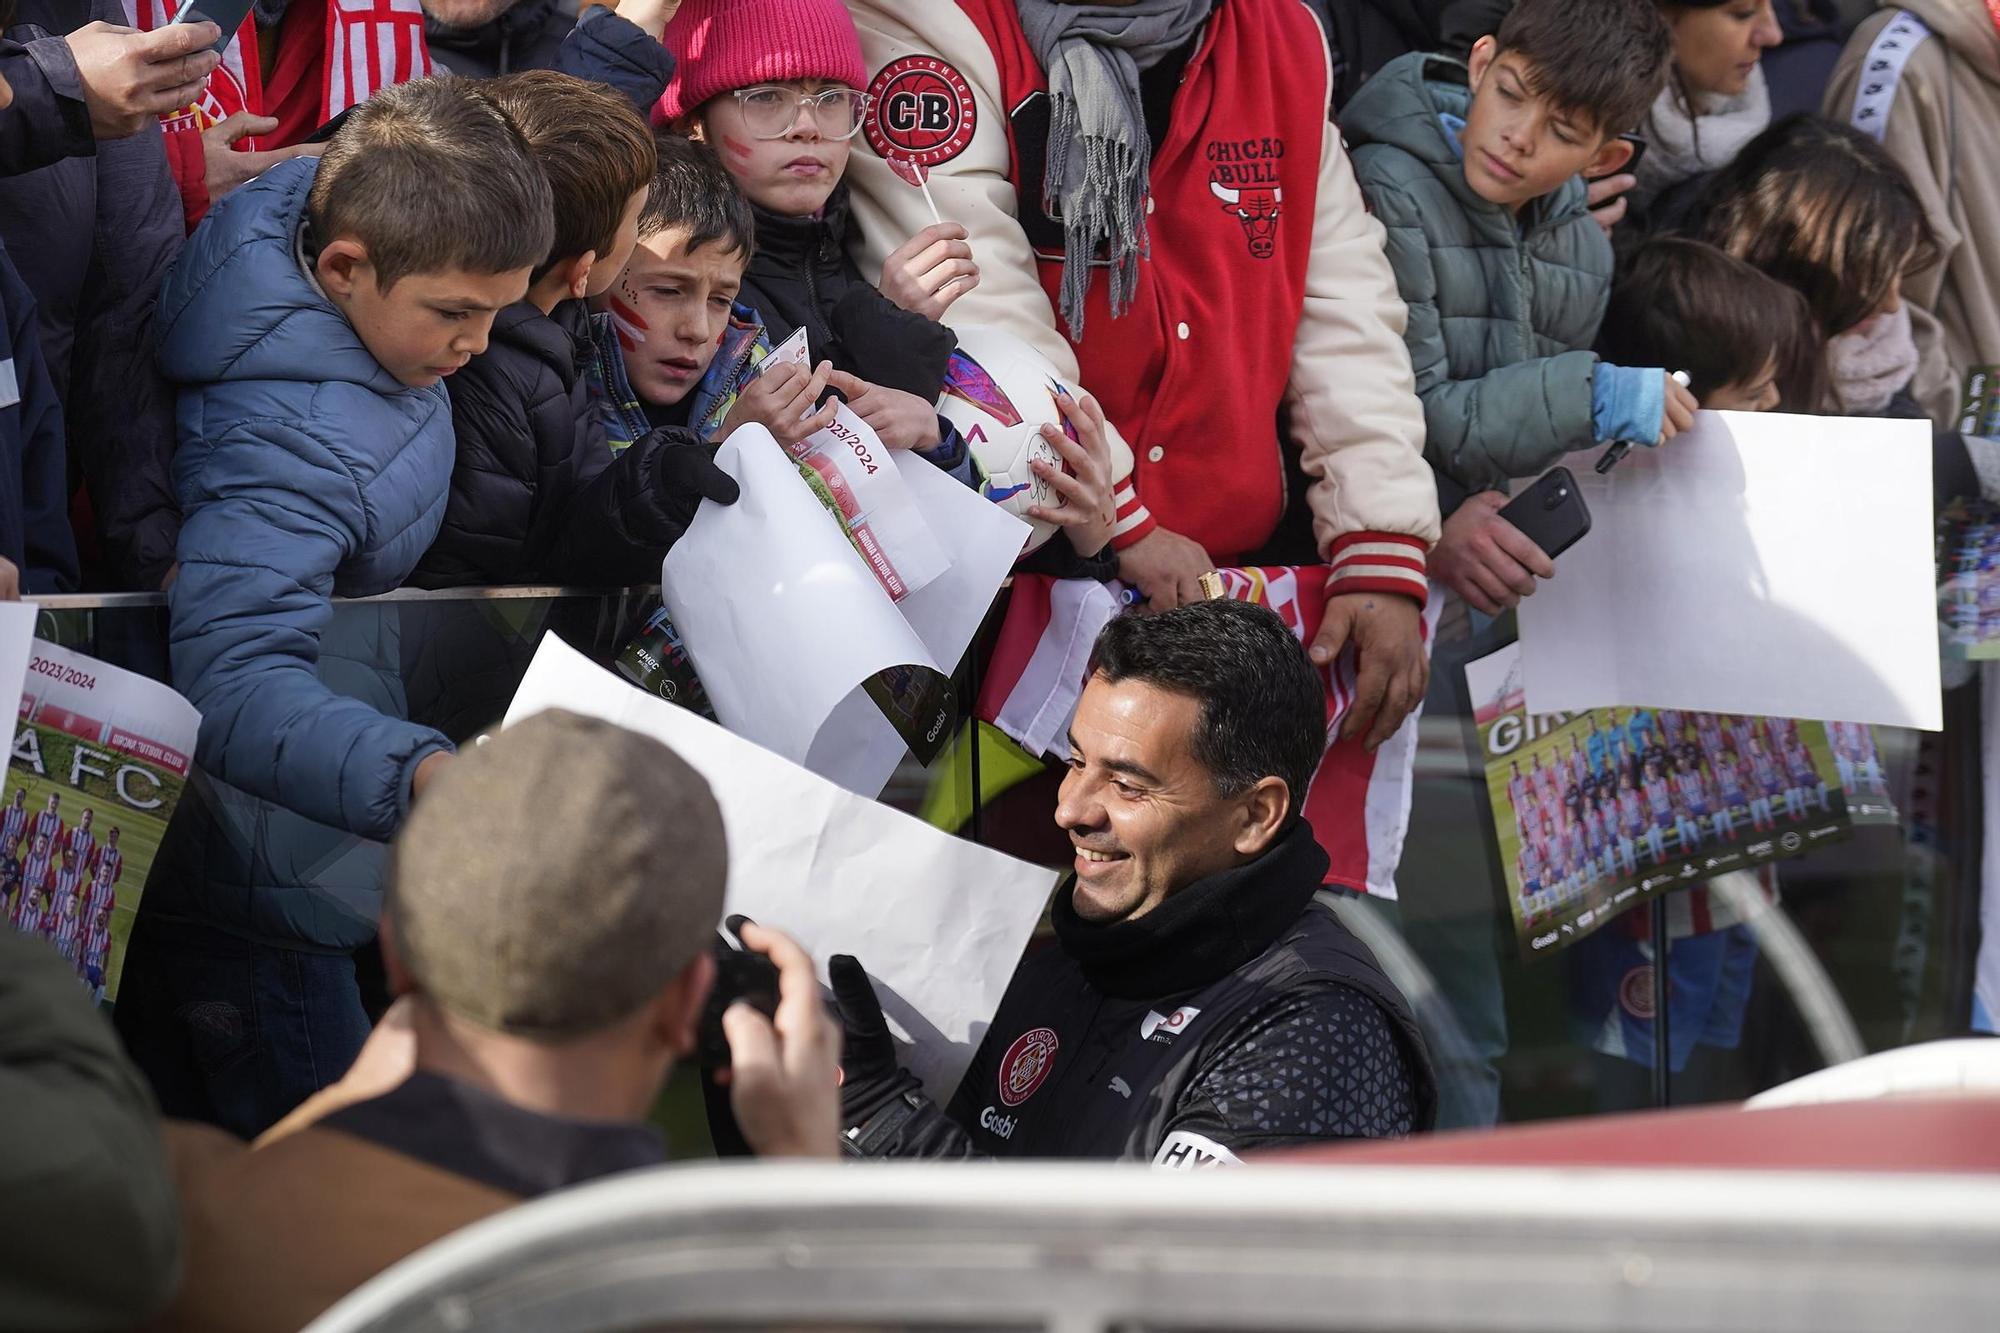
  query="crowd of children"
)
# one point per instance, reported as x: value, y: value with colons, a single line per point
x: 494, y: 332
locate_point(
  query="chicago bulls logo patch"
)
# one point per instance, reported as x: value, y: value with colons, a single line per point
x: 1027, y: 1064
x: 920, y: 109
x: 1243, y: 174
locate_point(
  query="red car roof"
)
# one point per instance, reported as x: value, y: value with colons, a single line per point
x: 1949, y: 1135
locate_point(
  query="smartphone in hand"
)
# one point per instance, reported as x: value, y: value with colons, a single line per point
x: 227, y: 15
x: 1551, y: 513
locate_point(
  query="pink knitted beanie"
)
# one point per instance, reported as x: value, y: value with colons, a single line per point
x: 723, y: 44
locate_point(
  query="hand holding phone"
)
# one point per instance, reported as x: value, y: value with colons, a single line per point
x: 227, y: 15
x: 1485, y: 559
x: 1551, y: 513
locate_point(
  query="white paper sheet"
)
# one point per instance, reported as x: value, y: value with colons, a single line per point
x: 784, y: 621
x: 17, y: 644
x: 1759, y: 564
x: 939, y: 923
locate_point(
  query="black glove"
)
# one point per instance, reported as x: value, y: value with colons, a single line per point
x: 687, y: 471
x: 870, y: 1075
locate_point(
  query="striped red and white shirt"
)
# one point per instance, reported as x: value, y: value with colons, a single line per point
x: 66, y: 928
x: 13, y: 827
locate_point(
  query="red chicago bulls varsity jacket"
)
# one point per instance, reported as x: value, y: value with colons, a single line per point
x: 1266, y: 294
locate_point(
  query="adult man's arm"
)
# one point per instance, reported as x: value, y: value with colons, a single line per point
x: 973, y: 188
x: 121, y: 409
x: 43, y: 118
x: 1319, y: 1064
x: 621, y: 49
x: 1360, y: 429
x: 884, y: 1110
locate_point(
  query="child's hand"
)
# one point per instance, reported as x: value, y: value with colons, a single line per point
x: 1091, y: 514
x: 1681, y: 407
x: 1487, y: 560
x: 900, y: 420
x: 781, y: 401
x: 926, y: 273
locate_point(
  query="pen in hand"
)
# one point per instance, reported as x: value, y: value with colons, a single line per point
x: 1619, y: 448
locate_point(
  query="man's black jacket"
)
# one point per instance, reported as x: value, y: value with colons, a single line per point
x: 1240, y: 1014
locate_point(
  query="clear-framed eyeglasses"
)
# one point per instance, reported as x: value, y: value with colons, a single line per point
x: 770, y: 110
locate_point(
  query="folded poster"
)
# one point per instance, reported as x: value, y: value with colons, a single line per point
x: 796, y: 642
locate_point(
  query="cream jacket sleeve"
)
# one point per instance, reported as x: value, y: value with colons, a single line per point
x: 1352, y: 401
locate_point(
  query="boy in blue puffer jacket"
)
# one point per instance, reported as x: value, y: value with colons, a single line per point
x: 310, y: 322
x: 1478, y: 173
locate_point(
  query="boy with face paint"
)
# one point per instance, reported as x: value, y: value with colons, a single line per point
x: 536, y: 495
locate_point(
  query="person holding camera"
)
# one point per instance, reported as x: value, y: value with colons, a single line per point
x: 542, y: 1007
x: 1203, y: 998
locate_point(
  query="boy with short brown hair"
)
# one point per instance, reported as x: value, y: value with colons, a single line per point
x: 310, y: 321
x: 537, y: 494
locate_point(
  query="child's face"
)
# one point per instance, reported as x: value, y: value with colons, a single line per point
x: 612, y: 262
x: 1757, y: 393
x: 676, y: 303
x: 793, y: 174
x: 425, y: 327
x: 1518, y: 146
x: 1716, y: 49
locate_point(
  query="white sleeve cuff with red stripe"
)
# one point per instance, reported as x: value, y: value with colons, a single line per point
x: 1134, y: 519
x: 1378, y: 562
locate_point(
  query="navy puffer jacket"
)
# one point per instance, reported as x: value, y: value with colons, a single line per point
x: 305, y: 470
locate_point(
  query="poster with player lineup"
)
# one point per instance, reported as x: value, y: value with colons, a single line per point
x: 99, y: 762
x: 1596, y: 812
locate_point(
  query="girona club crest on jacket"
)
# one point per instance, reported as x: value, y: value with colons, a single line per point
x: 1026, y: 1065
x: 1243, y: 174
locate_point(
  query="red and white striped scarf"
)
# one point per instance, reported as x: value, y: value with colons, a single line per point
x: 370, y: 45
x: 1358, y: 803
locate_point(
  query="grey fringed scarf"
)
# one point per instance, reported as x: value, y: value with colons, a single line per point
x: 1099, y: 158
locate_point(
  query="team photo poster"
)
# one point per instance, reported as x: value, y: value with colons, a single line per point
x: 99, y: 762
x: 1595, y: 812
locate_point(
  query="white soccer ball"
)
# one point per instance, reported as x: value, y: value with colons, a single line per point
x: 999, y: 392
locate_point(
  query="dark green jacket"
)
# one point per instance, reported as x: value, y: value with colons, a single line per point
x: 1503, y: 308
x: 89, y: 1229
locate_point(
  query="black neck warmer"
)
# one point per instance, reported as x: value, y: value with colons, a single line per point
x: 1201, y: 933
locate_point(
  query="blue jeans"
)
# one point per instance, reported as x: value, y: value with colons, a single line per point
x: 231, y: 1031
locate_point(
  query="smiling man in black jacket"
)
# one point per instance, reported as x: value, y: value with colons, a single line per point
x: 1202, y: 999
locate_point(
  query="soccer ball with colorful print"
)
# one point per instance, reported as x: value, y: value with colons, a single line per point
x: 1000, y: 392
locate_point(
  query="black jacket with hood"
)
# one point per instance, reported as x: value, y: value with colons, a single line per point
x: 803, y: 276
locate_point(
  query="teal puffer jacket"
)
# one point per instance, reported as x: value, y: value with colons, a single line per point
x: 1503, y: 308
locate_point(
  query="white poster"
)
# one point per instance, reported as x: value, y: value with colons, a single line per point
x: 792, y: 633
x: 99, y: 761
x: 1758, y: 564
x: 939, y: 923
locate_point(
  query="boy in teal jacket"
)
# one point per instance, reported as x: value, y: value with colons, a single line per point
x: 1478, y: 174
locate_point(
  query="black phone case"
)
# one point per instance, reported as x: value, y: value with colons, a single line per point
x: 1551, y: 512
